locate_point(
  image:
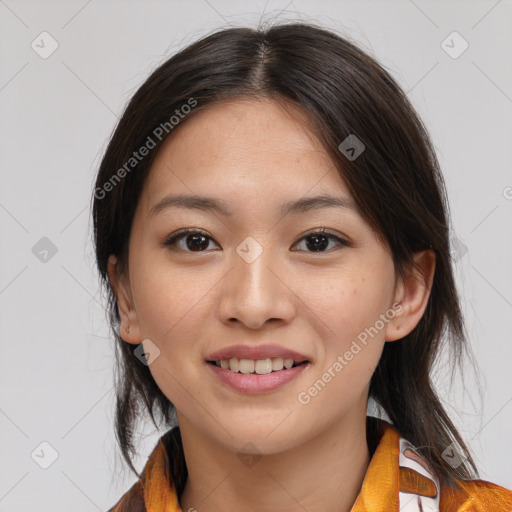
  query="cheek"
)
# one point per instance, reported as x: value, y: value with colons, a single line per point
x: 168, y: 301
x: 163, y: 292
x: 350, y: 305
x: 171, y: 308
x: 353, y: 343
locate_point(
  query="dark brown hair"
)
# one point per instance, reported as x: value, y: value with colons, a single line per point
x: 396, y: 183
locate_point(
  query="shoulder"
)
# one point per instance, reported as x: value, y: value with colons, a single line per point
x: 475, y: 496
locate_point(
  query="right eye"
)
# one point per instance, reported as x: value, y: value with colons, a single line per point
x: 195, y: 240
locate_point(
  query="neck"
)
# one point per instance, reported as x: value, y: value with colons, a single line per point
x: 325, y: 473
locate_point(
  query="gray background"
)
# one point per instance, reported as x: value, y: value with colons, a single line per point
x: 57, y: 114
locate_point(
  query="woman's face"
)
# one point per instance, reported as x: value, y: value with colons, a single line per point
x: 256, y: 278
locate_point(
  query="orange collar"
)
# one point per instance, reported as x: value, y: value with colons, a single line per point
x: 398, y: 479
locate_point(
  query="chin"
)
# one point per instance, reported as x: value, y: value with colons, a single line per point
x: 261, y: 439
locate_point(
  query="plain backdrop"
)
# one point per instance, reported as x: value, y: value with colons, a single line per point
x: 58, y: 111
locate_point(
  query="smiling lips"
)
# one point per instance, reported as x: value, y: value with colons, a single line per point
x: 254, y: 370
x: 261, y: 359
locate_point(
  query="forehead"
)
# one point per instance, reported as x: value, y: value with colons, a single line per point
x: 244, y: 122
x: 244, y: 148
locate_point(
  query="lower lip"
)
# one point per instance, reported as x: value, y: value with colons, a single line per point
x: 253, y: 384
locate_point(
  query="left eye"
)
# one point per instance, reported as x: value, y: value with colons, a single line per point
x: 194, y: 240
x: 320, y: 240
x: 197, y: 241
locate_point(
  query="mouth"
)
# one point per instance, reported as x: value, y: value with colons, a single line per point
x: 259, y: 366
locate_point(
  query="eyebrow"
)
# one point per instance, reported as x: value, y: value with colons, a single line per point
x: 210, y: 204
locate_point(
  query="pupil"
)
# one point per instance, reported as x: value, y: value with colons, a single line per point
x: 198, y: 242
x: 316, y: 245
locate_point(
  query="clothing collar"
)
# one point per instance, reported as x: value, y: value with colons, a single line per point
x: 397, y: 479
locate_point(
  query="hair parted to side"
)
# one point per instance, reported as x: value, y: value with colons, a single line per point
x: 396, y: 183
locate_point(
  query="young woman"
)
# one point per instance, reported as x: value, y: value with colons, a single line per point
x: 272, y: 230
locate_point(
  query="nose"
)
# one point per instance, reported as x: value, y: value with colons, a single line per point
x: 256, y: 291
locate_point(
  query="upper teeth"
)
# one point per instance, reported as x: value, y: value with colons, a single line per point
x: 260, y: 366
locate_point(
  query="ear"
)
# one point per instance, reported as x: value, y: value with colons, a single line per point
x: 122, y: 290
x: 412, y: 294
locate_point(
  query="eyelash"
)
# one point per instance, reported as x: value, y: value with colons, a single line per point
x: 170, y: 242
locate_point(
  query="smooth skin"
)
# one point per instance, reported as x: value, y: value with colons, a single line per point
x: 253, y: 156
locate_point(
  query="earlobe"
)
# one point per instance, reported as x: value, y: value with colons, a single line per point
x: 129, y: 329
x: 412, y: 295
